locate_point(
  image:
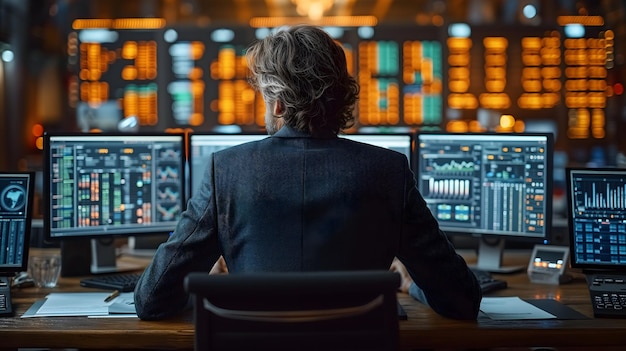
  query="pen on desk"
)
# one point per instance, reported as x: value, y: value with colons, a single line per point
x: 113, y: 295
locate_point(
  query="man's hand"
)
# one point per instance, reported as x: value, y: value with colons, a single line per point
x: 219, y: 267
x: 405, y: 282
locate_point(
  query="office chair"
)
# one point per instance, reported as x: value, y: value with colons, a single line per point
x: 347, y: 310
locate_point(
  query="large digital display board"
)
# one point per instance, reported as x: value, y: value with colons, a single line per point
x: 410, y: 76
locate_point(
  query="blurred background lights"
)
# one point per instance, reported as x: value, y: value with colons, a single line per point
x: 460, y: 30
x: 334, y: 32
x: 170, y: 35
x: 261, y: 33
x: 507, y: 121
x: 365, y: 32
x: 529, y: 11
x: 7, y: 56
x: 222, y: 35
x: 98, y: 36
x: 574, y: 30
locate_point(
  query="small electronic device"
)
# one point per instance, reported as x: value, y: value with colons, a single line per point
x: 16, y: 202
x: 548, y: 265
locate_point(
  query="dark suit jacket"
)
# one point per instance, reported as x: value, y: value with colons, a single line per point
x: 292, y: 202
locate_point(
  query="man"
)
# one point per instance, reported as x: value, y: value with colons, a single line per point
x: 304, y: 199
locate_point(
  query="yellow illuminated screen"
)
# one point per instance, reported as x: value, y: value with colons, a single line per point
x: 401, y: 83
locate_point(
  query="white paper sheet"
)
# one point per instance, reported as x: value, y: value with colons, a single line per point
x: 83, y: 304
x: 511, y: 308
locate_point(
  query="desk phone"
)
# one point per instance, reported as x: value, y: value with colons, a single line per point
x: 6, y: 308
x: 548, y: 265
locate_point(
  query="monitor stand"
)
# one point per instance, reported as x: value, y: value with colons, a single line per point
x: 104, y: 258
x: 144, y: 245
x: 81, y: 257
x: 489, y: 258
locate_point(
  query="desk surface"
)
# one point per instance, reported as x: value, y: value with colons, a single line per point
x: 423, y: 329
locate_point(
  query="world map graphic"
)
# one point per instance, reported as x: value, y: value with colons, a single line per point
x: 13, y: 198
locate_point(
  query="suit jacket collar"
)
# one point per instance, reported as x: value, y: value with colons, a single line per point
x: 289, y: 132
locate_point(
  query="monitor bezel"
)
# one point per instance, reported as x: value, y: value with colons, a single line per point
x: 106, y: 233
x: 547, y: 236
x: 28, y: 215
x: 569, y: 171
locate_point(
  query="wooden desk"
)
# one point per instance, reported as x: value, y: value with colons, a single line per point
x: 88, y: 333
x: 424, y: 329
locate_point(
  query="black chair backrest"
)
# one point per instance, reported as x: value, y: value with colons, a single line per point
x: 341, y: 310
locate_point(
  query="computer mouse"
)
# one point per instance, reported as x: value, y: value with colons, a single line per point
x: 23, y: 280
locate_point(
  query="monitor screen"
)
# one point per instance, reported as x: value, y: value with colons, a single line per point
x: 488, y: 184
x: 201, y: 145
x: 16, y: 202
x: 100, y: 185
x: 597, y: 217
x: 400, y: 142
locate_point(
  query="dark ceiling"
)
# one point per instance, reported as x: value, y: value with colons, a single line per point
x: 46, y: 23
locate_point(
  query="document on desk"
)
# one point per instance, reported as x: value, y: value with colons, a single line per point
x: 90, y: 304
x: 511, y: 308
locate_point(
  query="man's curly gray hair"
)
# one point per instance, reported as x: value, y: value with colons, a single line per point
x: 304, y: 69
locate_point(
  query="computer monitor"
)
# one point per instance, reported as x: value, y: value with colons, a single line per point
x: 16, y: 208
x: 99, y: 186
x: 201, y: 145
x: 596, y: 200
x: 495, y: 186
x: 16, y: 202
x: 400, y: 142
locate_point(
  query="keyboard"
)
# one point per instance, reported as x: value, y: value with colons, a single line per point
x: 123, y: 282
x: 608, y: 295
x: 487, y: 282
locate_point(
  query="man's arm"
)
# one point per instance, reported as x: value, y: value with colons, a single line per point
x: 442, y: 277
x: 193, y: 247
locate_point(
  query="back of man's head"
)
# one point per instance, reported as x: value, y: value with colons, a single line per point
x: 305, y: 70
